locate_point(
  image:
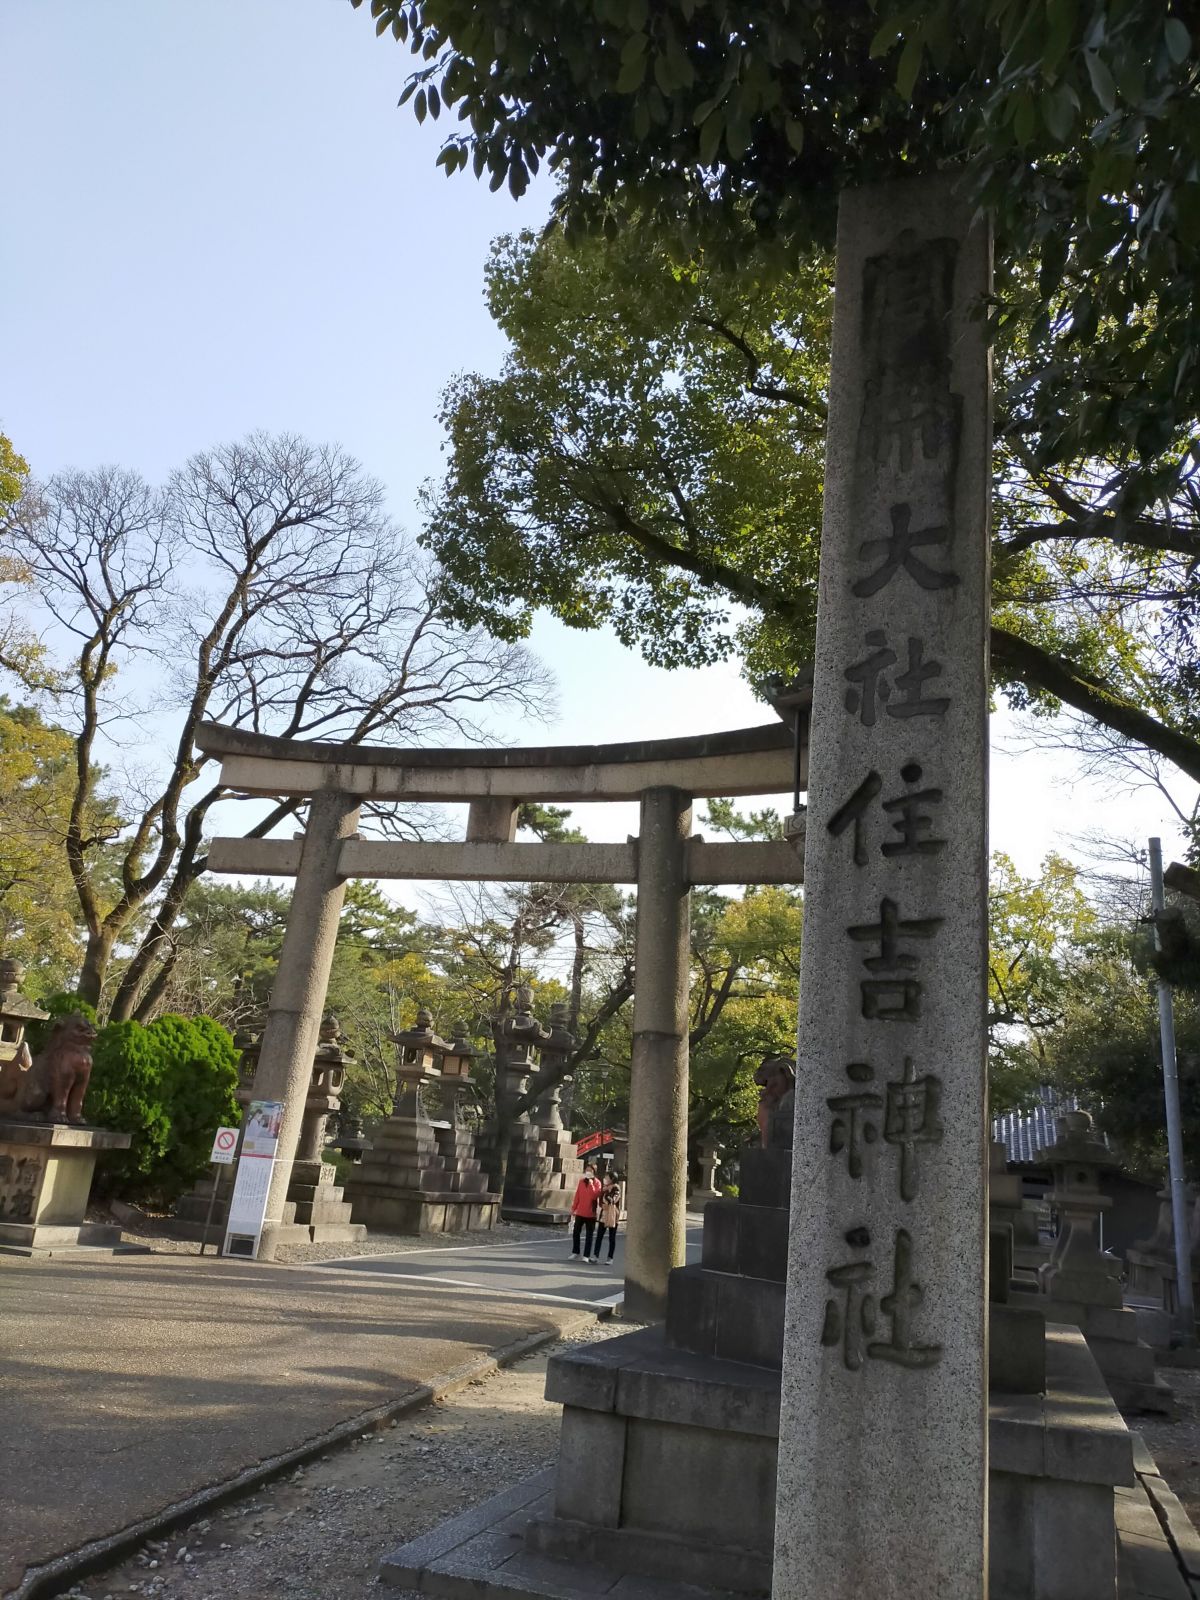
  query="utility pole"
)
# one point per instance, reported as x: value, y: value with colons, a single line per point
x: 1185, y: 1312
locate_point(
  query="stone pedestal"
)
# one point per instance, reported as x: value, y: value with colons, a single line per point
x: 45, y: 1180
x: 321, y: 1210
x: 409, y: 1183
x: 318, y: 1211
x: 669, y: 1437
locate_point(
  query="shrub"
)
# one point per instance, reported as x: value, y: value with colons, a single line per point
x: 170, y: 1085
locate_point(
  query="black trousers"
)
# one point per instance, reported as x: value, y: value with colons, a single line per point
x: 601, y: 1230
x: 586, y: 1226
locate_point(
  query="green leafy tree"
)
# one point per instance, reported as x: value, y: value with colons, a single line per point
x: 39, y: 912
x: 1075, y: 119
x: 14, y: 470
x: 652, y: 455
x: 1041, y: 932
x: 1106, y: 1049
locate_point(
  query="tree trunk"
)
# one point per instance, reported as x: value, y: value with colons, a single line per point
x: 95, y: 965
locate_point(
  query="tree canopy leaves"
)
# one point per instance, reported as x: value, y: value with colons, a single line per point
x: 651, y: 456
x: 1077, y: 122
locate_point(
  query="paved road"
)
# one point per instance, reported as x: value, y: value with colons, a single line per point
x: 539, y: 1269
x: 128, y: 1384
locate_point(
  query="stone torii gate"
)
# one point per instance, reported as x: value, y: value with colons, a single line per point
x: 664, y: 861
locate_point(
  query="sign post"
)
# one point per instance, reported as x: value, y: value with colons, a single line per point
x: 224, y: 1151
x: 252, y: 1185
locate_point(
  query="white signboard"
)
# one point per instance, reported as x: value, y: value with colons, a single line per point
x: 252, y: 1185
x: 224, y: 1146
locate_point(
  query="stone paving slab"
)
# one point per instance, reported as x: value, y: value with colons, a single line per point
x: 131, y: 1385
x: 1158, y: 1550
x: 481, y: 1555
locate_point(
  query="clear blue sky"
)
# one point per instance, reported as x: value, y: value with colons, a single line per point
x: 216, y: 219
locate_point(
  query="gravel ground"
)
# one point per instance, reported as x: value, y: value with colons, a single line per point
x: 1175, y: 1446
x: 320, y: 1533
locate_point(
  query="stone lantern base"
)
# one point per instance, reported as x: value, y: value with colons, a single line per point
x: 45, y: 1179
x: 421, y: 1177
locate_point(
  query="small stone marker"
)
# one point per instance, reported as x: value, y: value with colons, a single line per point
x: 882, y: 1447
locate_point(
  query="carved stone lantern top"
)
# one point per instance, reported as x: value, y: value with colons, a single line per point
x: 421, y: 1050
x: 1078, y: 1151
x: 459, y: 1056
x: 331, y: 1051
x: 16, y: 1012
x: 522, y: 1026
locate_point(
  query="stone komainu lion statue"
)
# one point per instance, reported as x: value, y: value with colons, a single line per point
x: 776, y: 1080
x: 51, y: 1085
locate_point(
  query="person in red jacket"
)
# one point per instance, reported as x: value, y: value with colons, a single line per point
x: 583, y: 1210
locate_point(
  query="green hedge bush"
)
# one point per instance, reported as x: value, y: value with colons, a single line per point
x: 171, y: 1085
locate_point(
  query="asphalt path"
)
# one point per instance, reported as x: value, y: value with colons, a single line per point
x: 539, y: 1269
x: 130, y: 1383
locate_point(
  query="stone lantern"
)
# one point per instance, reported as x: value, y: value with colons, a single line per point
x: 15, y: 1011
x: 524, y: 1037
x: 543, y: 1164
x: 320, y: 1207
x: 458, y: 1058
x: 1081, y: 1283
x: 248, y: 1040
x: 547, y: 1113
x: 418, y: 1065
x: 455, y: 1137
x: 324, y: 1096
x: 1078, y: 1269
x: 350, y: 1139
x: 422, y: 1176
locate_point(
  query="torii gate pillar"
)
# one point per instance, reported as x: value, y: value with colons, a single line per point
x: 298, y: 995
x: 658, y: 1088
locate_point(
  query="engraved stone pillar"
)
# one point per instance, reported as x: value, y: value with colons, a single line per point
x: 298, y: 994
x: 882, y: 1459
x: 658, y: 1087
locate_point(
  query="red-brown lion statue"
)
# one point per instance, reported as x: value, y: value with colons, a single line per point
x: 50, y: 1087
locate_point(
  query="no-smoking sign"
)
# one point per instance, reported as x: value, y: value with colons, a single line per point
x: 224, y: 1146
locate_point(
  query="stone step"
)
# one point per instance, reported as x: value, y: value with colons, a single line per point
x: 765, y: 1178
x: 746, y: 1239
x: 731, y: 1318
x: 483, y: 1553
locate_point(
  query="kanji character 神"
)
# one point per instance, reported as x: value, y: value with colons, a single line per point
x: 912, y: 1119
